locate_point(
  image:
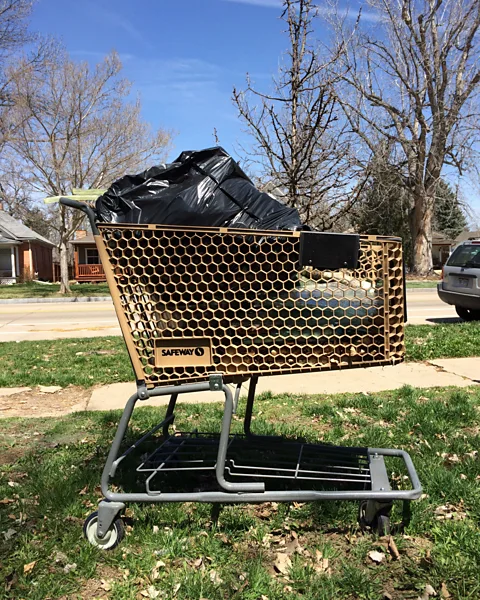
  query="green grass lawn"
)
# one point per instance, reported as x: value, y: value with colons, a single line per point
x: 422, y: 284
x: 89, y: 361
x: 51, y: 290
x: 50, y: 471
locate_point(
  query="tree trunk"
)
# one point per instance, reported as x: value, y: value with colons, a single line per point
x: 64, y: 284
x: 421, y: 226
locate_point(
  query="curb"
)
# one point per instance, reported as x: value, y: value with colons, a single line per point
x: 55, y: 300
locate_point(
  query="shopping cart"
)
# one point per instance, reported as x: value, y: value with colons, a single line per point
x: 207, y: 308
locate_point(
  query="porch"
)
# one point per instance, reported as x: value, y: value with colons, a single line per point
x: 87, y: 265
x: 9, y: 262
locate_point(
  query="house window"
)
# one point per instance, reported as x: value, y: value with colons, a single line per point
x: 92, y: 256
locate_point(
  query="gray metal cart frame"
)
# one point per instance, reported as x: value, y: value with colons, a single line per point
x: 375, y: 500
x: 241, y: 468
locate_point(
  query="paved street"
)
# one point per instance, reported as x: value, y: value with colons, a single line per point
x: 51, y: 321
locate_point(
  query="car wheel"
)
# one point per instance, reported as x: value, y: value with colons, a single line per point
x: 467, y: 314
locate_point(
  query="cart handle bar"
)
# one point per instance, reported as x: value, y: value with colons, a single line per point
x: 88, y: 210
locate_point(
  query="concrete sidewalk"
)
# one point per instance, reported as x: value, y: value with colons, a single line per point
x: 460, y: 372
x: 55, y: 401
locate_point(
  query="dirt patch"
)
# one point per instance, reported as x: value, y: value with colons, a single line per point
x: 39, y: 404
x: 11, y: 455
x: 98, y: 588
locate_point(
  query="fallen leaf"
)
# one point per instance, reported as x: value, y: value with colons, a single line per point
x: 293, y: 546
x: 376, y: 556
x: 444, y: 593
x: 197, y: 563
x: 9, y: 533
x: 155, y: 529
x: 13, y: 484
x: 83, y: 491
x: 176, y: 587
x: 215, y: 578
x: 7, y: 501
x: 105, y: 585
x: 428, y: 592
x: 392, y: 546
x: 322, y: 566
x: 60, y: 557
x: 29, y: 567
x: 68, y: 568
x: 282, y: 563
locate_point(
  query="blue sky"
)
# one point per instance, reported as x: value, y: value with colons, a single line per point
x: 183, y: 56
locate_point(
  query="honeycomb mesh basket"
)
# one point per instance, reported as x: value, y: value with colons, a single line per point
x: 192, y: 302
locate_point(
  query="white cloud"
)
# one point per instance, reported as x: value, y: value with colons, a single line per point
x: 115, y: 20
x: 323, y: 10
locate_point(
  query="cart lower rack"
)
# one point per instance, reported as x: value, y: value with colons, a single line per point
x: 230, y: 468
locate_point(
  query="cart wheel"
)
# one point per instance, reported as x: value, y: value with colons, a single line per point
x: 381, y: 520
x: 382, y: 525
x: 362, y: 510
x: 112, y: 538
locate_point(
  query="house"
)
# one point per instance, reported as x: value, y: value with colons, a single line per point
x: 87, y: 263
x: 442, y: 245
x: 24, y: 253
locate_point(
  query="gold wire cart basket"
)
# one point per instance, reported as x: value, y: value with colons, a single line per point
x: 192, y: 302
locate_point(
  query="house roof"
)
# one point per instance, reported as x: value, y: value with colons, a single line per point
x: 13, y: 231
x: 86, y: 239
x: 467, y: 235
x: 441, y: 239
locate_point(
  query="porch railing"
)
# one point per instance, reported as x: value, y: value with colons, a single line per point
x: 90, y: 272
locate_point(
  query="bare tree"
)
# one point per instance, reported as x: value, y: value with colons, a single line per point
x: 75, y: 129
x: 298, y: 139
x: 413, y: 82
x: 14, y: 36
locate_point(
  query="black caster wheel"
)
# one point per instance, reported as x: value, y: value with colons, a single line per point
x: 378, y: 522
x: 382, y: 525
x: 112, y: 538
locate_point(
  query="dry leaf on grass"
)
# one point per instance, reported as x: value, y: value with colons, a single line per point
x: 451, y: 512
x: 392, y: 546
x: 29, y: 567
x: 197, y: 563
x: 9, y: 533
x: 322, y: 565
x: 444, y: 593
x: 215, y: 578
x: 282, y: 563
x: 150, y: 592
x: 68, y: 568
x: 293, y: 546
x: 105, y: 585
x: 428, y: 592
x: 376, y: 556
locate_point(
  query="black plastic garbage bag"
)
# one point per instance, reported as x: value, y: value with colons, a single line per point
x: 204, y: 188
